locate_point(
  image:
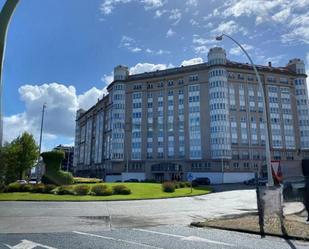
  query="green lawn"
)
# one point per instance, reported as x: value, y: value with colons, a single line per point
x: 139, y: 191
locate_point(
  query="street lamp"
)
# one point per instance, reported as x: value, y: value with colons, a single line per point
x: 267, y: 144
x: 38, y: 168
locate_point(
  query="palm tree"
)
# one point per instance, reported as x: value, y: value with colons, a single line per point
x: 5, y: 17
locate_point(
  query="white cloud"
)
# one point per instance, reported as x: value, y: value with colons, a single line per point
x: 170, y: 33
x: 62, y: 103
x: 201, y: 45
x: 192, y: 2
x: 130, y: 44
x: 159, y: 13
x: 108, y: 78
x: 152, y: 4
x: 192, y: 61
x: 282, y: 16
x: 148, y: 67
x: 194, y: 22
x: 299, y: 29
x: 175, y: 15
x: 108, y: 6
x: 133, y: 46
x: 230, y: 27
x: 237, y: 50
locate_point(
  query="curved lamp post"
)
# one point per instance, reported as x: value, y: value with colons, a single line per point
x: 267, y: 144
x: 5, y: 17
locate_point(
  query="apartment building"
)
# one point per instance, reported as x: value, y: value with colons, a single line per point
x: 205, y: 119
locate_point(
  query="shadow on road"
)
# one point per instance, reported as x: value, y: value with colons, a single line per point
x: 230, y: 187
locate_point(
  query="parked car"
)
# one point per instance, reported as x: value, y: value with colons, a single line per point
x: 294, y: 188
x: 250, y: 181
x: 201, y: 181
x: 22, y: 181
x: 132, y: 180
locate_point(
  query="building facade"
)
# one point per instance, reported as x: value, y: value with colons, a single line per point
x: 67, y: 162
x: 204, y: 119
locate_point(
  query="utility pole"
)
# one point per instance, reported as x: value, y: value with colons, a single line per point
x: 38, y: 168
x: 42, y: 121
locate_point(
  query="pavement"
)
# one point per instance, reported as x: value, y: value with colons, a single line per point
x: 131, y: 224
x: 161, y: 237
x: 40, y: 217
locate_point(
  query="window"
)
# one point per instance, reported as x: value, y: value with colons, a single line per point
x: 193, y: 77
x: 137, y: 86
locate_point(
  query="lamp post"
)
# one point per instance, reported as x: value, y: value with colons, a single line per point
x: 5, y: 17
x: 267, y: 144
x: 40, y: 144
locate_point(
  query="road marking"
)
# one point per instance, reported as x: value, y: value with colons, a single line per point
x: 155, y: 232
x: 189, y: 238
x: 27, y: 244
x: 118, y: 240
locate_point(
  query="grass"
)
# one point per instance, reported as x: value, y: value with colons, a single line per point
x: 139, y: 191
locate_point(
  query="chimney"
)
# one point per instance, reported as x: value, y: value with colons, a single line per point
x: 269, y: 63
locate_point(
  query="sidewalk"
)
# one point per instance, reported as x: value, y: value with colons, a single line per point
x: 290, y: 208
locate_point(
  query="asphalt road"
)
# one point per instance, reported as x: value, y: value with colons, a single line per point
x: 46, y: 217
x: 162, y: 237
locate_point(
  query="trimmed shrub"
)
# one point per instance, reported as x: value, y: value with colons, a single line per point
x: 37, y: 188
x: 64, y: 190
x: 17, y: 187
x: 78, y: 180
x: 182, y: 185
x: 81, y: 189
x: 49, y: 188
x: 168, y: 187
x: 121, y: 190
x: 41, y: 188
x: 101, y: 190
x: 53, y: 174
x: 187, y: 184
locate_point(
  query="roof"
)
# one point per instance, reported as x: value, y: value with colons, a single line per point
x: 203, y: 66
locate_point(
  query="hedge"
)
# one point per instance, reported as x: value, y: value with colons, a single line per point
x: 101, y: 190
x: 64, y: 190
x: 81, y: 189
x: 41, y: 188
x: 168, y: 187
x: 17, y: 187
x: 53, y: 174
x: 121, y: 190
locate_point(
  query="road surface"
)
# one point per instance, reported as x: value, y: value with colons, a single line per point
x: 162, y: 237
x: 40, y: 217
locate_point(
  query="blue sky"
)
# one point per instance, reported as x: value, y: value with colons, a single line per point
x: 63, y: 52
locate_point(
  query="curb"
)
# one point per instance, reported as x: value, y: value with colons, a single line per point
x: 200, y: 225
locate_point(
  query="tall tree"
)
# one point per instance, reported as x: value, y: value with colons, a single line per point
x: 5, y: 17
x: 25, y: 152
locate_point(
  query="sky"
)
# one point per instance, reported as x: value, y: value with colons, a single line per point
x: 62, y: 53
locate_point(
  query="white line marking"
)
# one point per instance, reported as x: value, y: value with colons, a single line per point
x: 189, y: 238
x: 118, y: 240
x: 27, y: 244
x: 155, y: 232
x: 199, y: 239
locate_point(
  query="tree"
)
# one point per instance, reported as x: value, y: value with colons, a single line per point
x: 23, y: 153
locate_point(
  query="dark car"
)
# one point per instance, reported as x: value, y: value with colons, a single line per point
x: 201, y: 181
x: 250, y: 181
x: 132, y: 180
